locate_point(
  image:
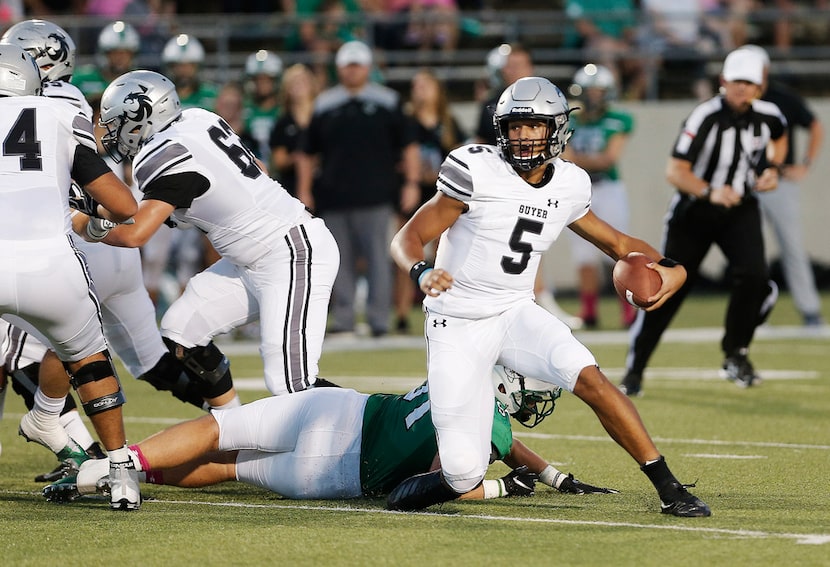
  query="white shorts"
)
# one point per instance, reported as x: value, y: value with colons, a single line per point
x: 128, y: 314
x: 288, y: 292
x: 461, y: 355
x: 47, y: 286
x: 302, y: 446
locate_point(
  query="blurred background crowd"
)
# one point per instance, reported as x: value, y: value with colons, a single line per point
x: 261, y: 65
x: 653, y: 45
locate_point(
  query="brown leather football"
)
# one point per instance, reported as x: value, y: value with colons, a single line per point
x: 634, y: 282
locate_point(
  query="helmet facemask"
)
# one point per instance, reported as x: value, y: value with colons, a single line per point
x: 526, y: 154
x: 532, y: 100
x: 528, y: 401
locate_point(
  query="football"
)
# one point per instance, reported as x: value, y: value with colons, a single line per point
x: 634, y: 282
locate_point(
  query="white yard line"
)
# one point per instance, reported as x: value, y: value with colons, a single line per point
x: 696, y: 335
x: 803, y: 539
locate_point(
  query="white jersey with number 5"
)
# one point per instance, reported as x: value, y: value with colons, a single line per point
x: 493, y: 250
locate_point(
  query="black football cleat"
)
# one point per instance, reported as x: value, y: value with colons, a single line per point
x: 685, y: 504
x: 632, y: 384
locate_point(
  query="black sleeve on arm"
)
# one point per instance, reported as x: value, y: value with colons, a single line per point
x: 87, y: 165
x: 178, y: 189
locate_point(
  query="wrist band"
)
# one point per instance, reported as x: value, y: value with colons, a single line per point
x: 552, y: 477
x: 419, y: 269
x: 668, y: 262
x: 493, y: 489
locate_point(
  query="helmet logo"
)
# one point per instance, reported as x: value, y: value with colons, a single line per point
x: 137, y: 105
x: 59, y: 49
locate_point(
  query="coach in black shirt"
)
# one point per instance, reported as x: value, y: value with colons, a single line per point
x: 366, y: 161
x: 717, y: 164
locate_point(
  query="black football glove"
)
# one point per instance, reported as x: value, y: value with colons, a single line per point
x: 520, y: 482
x: 81, y: 201
x: 572, y: 486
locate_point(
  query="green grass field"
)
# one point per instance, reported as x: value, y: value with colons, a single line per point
x: 759, y: 458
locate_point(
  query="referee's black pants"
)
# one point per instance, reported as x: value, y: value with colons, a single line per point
x: 693, y: 227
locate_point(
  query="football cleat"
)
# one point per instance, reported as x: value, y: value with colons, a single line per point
x: 684, y: 504
x: 31, y: 430
x: 65, y: 468
x: 71, y: 457
x: 738, y: 369
x: 123, y: 485
x: 632, y: 384
x: 64, y: 490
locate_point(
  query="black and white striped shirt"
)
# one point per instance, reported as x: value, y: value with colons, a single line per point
x: 726, y: 148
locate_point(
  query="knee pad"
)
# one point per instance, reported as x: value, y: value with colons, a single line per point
x: 93, y: 372
x: 207, y: 366
x: 169, y: 374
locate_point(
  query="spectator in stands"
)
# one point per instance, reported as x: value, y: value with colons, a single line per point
x: 323, y: 26
x: 437, y: 133
x: 511, y: 62
x: 296, y: 100
x: 262, y: 75
x: 230, y: 105
x: 606, y: 32
x: 183, y: 57
x: 431, y: 23
x: 118, y: 44
x: 597, y: 145
x: 364, y: 143
x: 781, y: 207
x: 11, y: 11
x: 676, y: 39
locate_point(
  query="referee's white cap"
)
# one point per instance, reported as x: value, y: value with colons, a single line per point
x: 744, y: 65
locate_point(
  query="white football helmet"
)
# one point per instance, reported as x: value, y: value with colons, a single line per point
x: 532, y: 98
x: 593, y: 76
x: 526, y: 399
x: 263, y: 63
x: 118, y: 35
x: 135, y: 106
x: 183, y: 48
x: 48, y: 44
x: 19, y: 74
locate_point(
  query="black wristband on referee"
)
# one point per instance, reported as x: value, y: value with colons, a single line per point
x: 417, y: 269
x: 668, y: 263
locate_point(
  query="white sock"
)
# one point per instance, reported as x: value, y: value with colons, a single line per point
x: 46, y: 404
x: 121, y: 455
x: 45, y: 417
x: 76, y: 429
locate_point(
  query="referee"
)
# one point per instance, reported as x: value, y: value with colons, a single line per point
x: 718, y: 163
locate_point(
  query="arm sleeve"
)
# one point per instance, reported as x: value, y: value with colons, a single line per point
x: 87, y: 165
x: 178, y: 189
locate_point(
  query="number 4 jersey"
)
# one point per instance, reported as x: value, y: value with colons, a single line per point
x: 41, y: 139
x: 493, y: 250
x: 199, y: 165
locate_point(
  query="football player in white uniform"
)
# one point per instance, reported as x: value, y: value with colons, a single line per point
x: 46, y: 144
x: 278, y: 262
x: 497, y: 209
x: 128, y: 315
